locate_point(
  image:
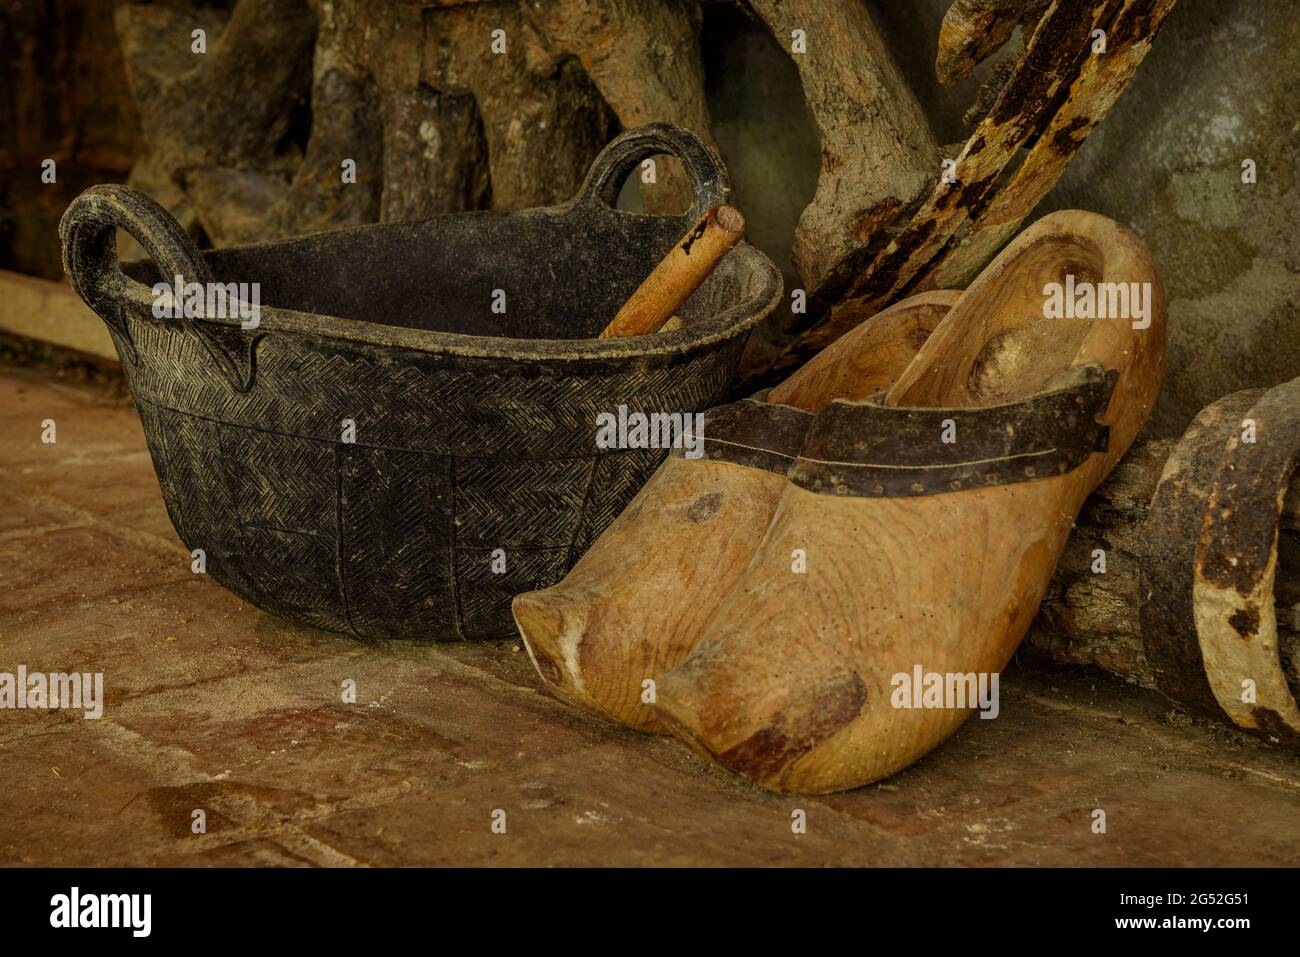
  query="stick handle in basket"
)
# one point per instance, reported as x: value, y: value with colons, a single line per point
x: 679, y: 273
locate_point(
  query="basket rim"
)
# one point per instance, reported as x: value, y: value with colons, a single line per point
x: 727, y: 324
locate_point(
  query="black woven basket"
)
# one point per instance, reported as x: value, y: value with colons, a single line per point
x: 474, y: 430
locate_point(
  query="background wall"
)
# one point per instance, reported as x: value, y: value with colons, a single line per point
x: 1216, y: 89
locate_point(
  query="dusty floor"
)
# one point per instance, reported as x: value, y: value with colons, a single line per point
x: 213, y: 705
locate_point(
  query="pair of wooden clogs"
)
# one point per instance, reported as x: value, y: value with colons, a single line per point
x: 896, y: 507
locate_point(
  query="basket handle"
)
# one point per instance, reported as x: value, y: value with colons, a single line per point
x: 88, y: 231
x: 709, y: 180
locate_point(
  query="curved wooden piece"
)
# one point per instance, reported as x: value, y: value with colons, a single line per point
x: 869, y: 358
x: 1236, y: 567
x: 1169, y: 540
x: 973, y: 29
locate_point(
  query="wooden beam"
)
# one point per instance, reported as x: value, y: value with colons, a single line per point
x: 51, y: 312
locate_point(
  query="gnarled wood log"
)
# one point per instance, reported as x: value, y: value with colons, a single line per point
x: 413, y: 94
x: 1059, y: 90
x: 224, y: 114
x: 232, y: 105
x: 878, y: 154
x: 645, y: 61
x: 973, y: 29
x: 543, y: 119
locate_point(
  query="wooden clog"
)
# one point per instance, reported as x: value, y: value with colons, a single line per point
x: 930, y: 522
x: 637, y: 601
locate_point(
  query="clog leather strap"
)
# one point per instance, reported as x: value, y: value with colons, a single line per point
x: 755, y: 434
x: 872, y: 450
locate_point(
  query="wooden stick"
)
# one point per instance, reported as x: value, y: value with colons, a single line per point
x: 679, y: 274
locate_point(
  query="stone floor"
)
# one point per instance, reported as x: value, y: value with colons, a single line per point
x: 214, y: 706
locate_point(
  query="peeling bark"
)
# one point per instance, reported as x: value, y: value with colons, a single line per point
x: 974, y: 29
x: 1058, y: 91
